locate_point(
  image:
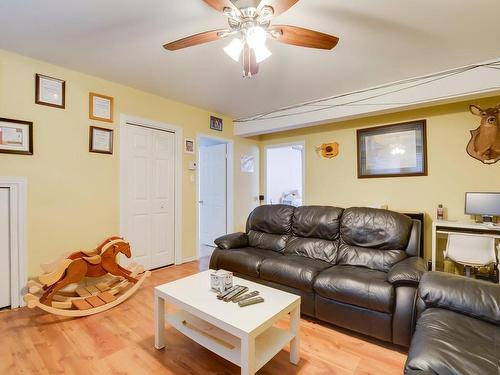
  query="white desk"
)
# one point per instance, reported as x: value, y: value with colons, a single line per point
x: 447, y: 227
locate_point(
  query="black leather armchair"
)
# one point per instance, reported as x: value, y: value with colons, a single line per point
x: 458, y: 330
x: 356, y: 268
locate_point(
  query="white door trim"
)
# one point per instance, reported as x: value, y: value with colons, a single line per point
x: 229, y: 182
x: 278, y: 145
x: 124, y: 119
x: 18, y: 237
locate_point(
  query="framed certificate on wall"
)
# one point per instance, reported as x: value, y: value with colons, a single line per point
x: 16, y: 137
x: 100, y: 107
x: 101, y: 140
x: 50, y: 91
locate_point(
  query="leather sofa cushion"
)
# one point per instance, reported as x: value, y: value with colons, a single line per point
x: 317, y: 222
x: 274, y: 219
x: 261, y: 240
x: 357, y: 286
x: 374, y: 228
x: 375, y: 259
x: 476, y: 298
x: 292, y: 270
x: 314, y: 248
x: 245, y: 261
x: 446, y: 342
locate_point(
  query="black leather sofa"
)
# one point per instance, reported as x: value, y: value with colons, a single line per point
x: 458, y: 330
x: 356, y: 268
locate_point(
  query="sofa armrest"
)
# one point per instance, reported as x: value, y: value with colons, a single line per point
x: 407, y: 272
x: 476, y: 298
x: 232, y: 241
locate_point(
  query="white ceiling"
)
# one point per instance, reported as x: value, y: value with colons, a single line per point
x: 380, y: 41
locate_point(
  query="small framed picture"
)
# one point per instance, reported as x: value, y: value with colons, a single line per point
x: 50, y: 91
x: 101, y: 140
x: 216, y: 123
x: 247, y: 163
x: 16, y: 137
x: 189, y: 145
x: 398, y: 150
x: 100, y: 107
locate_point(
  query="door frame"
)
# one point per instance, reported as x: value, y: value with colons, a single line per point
x: 18, y: 237
x: 279, y: 145
x: 229, y: 185
x: 132, y: 120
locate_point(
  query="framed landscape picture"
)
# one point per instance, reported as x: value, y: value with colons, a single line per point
x: 16, y: 137
x: 101, y: 140
x: 393, y: 150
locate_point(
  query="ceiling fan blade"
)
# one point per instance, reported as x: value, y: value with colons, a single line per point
x: 299, y: 36
x: 219, y: 5
x: 279, y: 6
x: 194, y: 40
x: 250, y: 65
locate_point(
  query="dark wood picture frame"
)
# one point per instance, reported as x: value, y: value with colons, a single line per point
x: 30, y: 136
x: 421, y: 149
x: 111, y: 100
x: 91, y: 140
x: 216, y: 123
x: 37, y: 91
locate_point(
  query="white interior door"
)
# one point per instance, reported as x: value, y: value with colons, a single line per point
x: 149, y: 195
x: 4, y: 248
x: 213, y: 194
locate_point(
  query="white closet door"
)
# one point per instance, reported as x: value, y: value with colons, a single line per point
x: 162, y: 199
x: 149, y: 195
x: 213, y: 194
x: 4, y: 248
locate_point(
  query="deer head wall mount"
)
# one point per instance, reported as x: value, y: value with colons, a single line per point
x: 485, y: 140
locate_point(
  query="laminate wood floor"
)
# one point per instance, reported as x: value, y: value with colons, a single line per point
x: 120, y: 341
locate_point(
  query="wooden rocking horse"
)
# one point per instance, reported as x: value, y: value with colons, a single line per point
x: 86, y: 282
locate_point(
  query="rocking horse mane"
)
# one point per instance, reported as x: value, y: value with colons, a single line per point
x: 112, y: 243
x: 105, y: 242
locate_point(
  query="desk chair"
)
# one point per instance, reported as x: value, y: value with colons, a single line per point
x: 470, y: 251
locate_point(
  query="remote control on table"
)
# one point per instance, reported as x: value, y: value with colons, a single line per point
x: 235, y: 293
x: 226, y: 292
x: 246, y: 296
x: 251, y: 301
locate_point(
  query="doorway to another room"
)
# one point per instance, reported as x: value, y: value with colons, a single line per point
x: 285, y: 174
x: 215, y: 185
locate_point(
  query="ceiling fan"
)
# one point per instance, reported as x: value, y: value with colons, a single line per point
x: 250, y: 25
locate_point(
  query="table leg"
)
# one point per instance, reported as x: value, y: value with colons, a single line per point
x: 159, y: 322
x: 294, y: 329
x: 248, y: 355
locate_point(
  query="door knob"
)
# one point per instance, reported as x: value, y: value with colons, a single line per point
x: 200, y: 202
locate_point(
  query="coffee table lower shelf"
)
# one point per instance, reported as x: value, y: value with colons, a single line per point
x: 267, y: 344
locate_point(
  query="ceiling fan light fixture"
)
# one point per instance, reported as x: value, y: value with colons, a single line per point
x: 261, y: 53
x: 234, y: 49
x: 256, y: 36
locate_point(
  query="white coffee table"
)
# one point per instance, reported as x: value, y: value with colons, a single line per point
x: 245, y: 336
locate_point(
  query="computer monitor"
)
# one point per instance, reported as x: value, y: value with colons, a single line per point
x: 485, y: 205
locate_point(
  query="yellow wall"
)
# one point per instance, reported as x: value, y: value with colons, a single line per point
x: 73, y: 195
x: 452, y: 171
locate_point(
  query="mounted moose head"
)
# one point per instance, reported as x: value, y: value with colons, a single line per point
x: 485, y: 142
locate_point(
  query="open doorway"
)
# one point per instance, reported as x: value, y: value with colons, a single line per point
x: 215, y: 191
x: 285, y: 174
